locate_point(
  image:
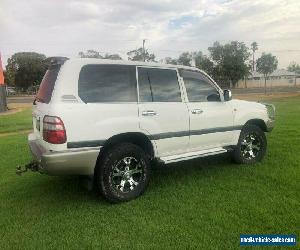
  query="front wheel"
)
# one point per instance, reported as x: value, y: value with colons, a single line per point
x: 251, y: 146
x: 124, y: 173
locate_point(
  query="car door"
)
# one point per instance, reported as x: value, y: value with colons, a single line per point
x: 162, y: 114
x: 211, y: 118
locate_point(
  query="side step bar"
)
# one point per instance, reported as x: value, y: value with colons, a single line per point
x: 192, y: 155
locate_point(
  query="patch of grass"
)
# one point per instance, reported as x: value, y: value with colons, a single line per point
x: 14, y: 122
x: 204, y: 204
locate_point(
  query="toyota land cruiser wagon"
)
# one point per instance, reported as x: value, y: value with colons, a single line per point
x: 112, y: 119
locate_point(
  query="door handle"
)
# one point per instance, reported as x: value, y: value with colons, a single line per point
x: 149, y: 113
x: 197, y: 111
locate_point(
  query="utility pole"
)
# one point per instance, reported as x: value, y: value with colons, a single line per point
x: 144, y: 59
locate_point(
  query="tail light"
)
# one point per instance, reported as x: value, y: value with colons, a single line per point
x: 54, y: 130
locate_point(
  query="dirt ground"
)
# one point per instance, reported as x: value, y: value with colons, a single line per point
x: 260, y: 97
x: 15, y: 108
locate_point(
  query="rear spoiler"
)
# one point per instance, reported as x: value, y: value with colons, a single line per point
x: 55, y: 60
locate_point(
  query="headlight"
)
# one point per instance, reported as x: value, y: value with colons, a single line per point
x: 270, y: 110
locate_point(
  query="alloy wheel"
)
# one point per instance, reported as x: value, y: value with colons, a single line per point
x: 126, y: 174
x: 250, y: 146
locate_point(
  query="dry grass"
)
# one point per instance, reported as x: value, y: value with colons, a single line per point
x: 263, y: 97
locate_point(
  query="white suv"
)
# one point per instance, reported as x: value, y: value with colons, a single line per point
x: 111, y: 119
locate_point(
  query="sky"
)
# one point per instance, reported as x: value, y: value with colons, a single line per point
x: 65, y: 27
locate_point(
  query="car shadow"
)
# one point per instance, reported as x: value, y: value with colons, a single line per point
x: 70, y: 189
x: 183, y: 170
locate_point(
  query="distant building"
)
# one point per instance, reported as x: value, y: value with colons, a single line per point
x: 280, y: 77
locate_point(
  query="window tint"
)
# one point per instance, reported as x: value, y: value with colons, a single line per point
x: 158, y: 85
x: 47, y: 85
x: 199, y: 88
x: 144, y: 86
x: 107, y: 83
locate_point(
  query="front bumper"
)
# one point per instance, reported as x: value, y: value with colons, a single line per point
x: 270, y: 124
x: 68, y: 162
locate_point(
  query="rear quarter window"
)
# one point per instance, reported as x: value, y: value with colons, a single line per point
x: 47, y: 85
x: 107, y: 83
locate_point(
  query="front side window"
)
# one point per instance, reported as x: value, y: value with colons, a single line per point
x: 158, y: 85
x: 199, y: 88
x: 107, y: 83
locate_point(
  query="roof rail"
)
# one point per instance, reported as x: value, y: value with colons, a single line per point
x: 56, y: 60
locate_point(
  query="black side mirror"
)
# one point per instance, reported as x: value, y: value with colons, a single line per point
x: 213, y: 97
x: 227, y: 95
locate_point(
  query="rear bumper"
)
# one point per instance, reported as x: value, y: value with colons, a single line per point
x: 69, y: 162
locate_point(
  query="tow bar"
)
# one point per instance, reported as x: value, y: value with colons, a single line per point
x: 33, y: 166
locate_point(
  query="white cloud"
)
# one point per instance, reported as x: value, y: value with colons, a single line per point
x: 61, y: 27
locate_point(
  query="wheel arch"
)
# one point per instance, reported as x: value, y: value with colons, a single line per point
x: 136, y: 138
x: 259, y: 123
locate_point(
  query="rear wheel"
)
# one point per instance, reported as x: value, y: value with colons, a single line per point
x: 124, y: 173
x: 251, y: 146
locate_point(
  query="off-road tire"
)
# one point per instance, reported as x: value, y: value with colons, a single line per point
x: 239, y: 155
x: 112, y: 160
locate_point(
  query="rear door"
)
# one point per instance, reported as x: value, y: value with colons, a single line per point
x: 211, y: 119
x: 162, y: 114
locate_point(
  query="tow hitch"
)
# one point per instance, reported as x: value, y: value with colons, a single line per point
x: 33, y: 166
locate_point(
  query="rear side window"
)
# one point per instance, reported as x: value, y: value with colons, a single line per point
x: 158, y: 85
x: 107, y: 83
x: 47, y: 85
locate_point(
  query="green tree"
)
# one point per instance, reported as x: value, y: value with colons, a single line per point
x: 294, y: 67
x: 170, y: 60
x: 139, y: 55
x: 96, y: 54
x: 266, y: 65
x: 90, y: 54
x: 112, y: 56
x: 25, y: 69
x: 203, y: 62
x: 230, y: 62
x: 10, y: 74
x: 254, y: 47
x: 185, y: 58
